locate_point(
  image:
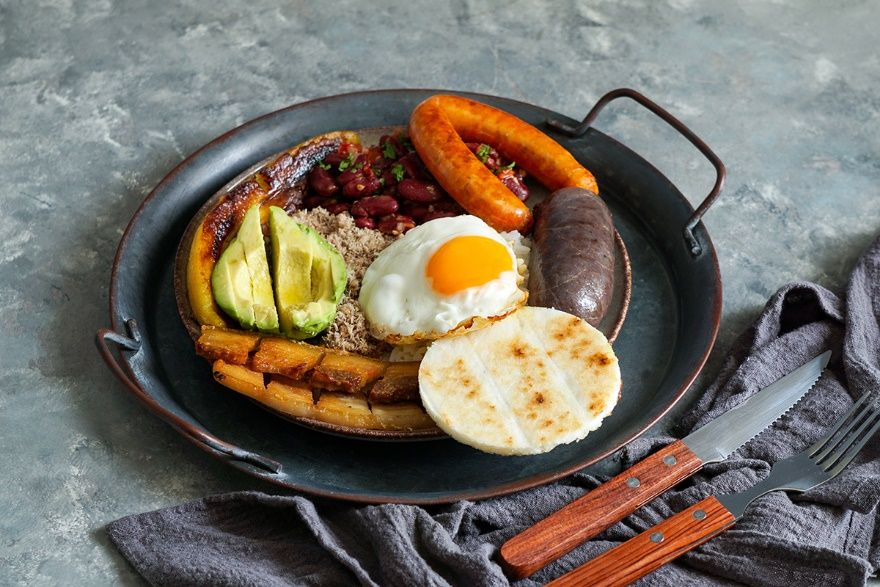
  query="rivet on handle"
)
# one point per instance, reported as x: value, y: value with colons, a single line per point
x: 669, y: 460
x: 657, y: 537
x: 633, y: 482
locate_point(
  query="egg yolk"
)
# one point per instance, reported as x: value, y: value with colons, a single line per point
x: 467, y: 261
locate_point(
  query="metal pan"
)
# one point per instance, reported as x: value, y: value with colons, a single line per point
x: 671, y: 327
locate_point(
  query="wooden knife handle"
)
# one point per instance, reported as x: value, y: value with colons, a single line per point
x: 652, y: 548
x: 589, y: 515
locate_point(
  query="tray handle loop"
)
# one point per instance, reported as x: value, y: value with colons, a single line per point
x: 578, y: 130
x: 132, y: 343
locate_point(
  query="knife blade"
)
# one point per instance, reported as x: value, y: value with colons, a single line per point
x: 617, y: 498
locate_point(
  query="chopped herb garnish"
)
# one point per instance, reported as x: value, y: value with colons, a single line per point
x: 388, y: 151
x: 324, y: 166
x: 483, y: 152
x: 347, y: 162
x: 407, y: 144
x: 382, y: 181
x: 509, y: 165
x: 397, y: 171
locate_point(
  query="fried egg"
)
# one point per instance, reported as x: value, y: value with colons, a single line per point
x: 446, y: 276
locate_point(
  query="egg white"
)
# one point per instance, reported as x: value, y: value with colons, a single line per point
x: 401, y: 306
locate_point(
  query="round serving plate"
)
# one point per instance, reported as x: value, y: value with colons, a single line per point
x: 610, y: 325
x: 671, y: 325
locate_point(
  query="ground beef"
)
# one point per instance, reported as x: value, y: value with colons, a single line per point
x: 358, y: 246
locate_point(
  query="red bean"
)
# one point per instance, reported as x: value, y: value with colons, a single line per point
x: 438, y: 214
x: 322, y: 182
x: 361, y: 186
x: 337, y: 208
x: 395, y: 224
x: 374, y: 206
x: 490, y: 157
x: 413, y: 166
x: 334, y: 159
x: 364, y: 222
x: 348, y: 175
x: 388, y: 179
x: 515, y: 184
x: 357, y: 209
x: 415, y: 211
x: 419, y: 191
x: 398, y: 150
x: 317, y: 201
x: 447, y: 205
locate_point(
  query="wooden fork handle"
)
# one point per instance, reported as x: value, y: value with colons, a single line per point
x: 653, y: 548
x: 589, y: 515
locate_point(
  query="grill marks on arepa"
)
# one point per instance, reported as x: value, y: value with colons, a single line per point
x: 467, y: 384
x: 536, y: 379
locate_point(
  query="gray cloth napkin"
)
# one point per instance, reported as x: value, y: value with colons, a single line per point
x: 828, y: 536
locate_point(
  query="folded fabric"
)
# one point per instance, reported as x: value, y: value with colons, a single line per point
x: 827, y: 536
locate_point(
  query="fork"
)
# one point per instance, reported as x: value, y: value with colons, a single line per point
x: 686, y: 530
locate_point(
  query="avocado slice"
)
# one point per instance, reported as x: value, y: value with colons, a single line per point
x: 231, y: 284
x: 309, y: 276
x: 241, y: 282
x: 250, y: 235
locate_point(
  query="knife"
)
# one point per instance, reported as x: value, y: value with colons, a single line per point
x: 617, y: 498
x: 817, y: 464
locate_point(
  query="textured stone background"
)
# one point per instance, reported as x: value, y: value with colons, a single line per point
x: 98, y: 100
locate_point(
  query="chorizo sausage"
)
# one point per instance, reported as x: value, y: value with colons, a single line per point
x: 571, y: 266
x: 439, y: 127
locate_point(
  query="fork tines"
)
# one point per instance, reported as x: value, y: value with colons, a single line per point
x: 839, y: 447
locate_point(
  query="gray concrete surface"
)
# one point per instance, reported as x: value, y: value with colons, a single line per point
x: 98, y: 100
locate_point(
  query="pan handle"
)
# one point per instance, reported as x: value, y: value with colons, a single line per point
x: 578, y: 130
x: 209, y: 442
